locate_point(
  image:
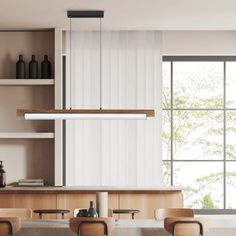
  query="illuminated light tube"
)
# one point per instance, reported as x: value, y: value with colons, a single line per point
x: 79, y: 116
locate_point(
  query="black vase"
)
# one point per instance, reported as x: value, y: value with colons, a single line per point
x: 20, y: 68
x: 46, y: 68
x: 33, y: 68
x: 91, y: 211
x: 82, y: 213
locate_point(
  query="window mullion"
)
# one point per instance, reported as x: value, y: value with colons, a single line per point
x: 224, y: 135
x: 171, y: 125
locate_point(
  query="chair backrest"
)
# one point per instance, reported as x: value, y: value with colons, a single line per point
x: 23, y: 213
x: 183, y: 226
x: 9, y: 225
x: 88, y: 226
x: 162, y: 213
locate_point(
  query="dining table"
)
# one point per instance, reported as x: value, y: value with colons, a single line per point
x: 216, y: 226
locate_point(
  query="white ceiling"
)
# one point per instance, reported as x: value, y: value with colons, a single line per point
x: 123, y: 14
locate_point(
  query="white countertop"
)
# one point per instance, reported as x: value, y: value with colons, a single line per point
x: 93, y: 188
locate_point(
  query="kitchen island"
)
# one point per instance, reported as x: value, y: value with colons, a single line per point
x: 145, y: 199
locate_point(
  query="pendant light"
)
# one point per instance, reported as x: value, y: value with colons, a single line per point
x: 86, y: 114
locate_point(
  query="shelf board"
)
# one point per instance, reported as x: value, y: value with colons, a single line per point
x: 26, y: 81
x: 29, y: 135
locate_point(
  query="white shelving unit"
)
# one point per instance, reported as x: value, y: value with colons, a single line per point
x: 26, y: 135
x: 20, y: 82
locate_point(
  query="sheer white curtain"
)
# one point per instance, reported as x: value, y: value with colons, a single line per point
x: 115, y: 153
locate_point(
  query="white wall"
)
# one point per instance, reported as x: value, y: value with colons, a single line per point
x: 121, y: 153
x: 199, y: 43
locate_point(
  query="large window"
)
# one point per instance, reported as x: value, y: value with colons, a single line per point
x: 199, y: 129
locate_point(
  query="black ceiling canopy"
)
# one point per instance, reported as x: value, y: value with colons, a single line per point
x: 85, y: 14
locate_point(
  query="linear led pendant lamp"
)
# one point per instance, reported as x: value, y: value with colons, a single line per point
x: 86, y: 114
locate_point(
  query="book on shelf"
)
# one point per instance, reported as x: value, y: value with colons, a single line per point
x: 31, y: 182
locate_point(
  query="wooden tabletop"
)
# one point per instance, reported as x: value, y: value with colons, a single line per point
x: 218, y: 226
x: 61, y: 228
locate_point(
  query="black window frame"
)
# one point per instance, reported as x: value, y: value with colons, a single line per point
x: 223, y: 59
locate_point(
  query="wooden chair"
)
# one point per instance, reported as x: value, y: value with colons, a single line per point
x: 86, y: 226
x: 9, y: 225
x: 183, y: 226
x: 162, y: 213
x: 23, y: 213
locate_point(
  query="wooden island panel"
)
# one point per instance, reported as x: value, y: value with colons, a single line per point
x: 71, y: 198
x: 147, y: 203
x: 32, y: 201
x: 7, y: 200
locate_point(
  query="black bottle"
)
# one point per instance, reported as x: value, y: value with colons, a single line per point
x: 33, y: 68
x: 46, y: 68
x: 2, y: 176
x: 91, y: 211
x: 20, y: 68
